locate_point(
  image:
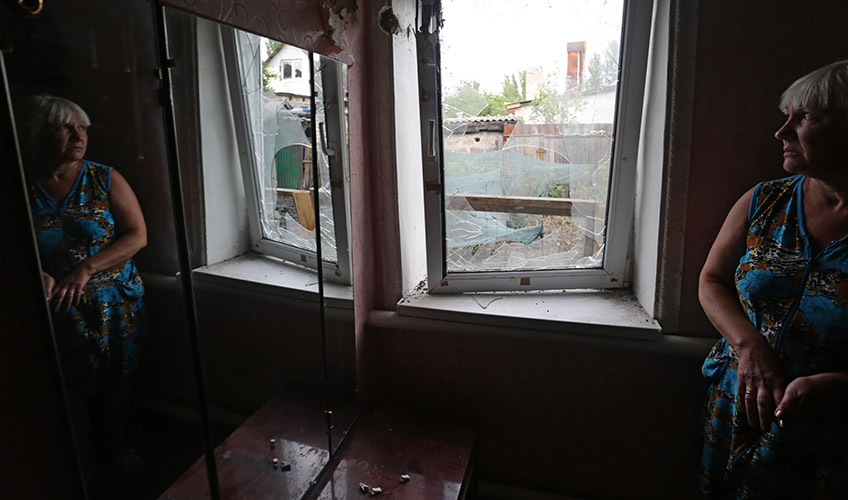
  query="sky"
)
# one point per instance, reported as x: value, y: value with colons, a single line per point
x: 485, y: 39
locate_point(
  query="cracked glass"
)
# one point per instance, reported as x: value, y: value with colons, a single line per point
x: 529, y: 92
x: 278, y: 109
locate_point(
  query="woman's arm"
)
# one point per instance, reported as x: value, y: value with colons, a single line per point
x: 132, y: 231
x: 760, y: 382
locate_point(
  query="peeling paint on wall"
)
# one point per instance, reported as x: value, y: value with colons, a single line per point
x: 388, y: 21
x: 342, y: 14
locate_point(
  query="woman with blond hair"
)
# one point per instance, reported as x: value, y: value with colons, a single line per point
x: 775, y: 285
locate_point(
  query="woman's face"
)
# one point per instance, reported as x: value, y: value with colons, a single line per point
x: 815, y: 143
x: 65, y: 142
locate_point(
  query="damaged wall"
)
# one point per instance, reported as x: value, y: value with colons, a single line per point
x: 324, y: 27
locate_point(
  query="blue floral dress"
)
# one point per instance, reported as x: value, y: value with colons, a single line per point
x: 798, y: 300
x: 105, y: 329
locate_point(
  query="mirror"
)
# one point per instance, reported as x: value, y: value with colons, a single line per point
x: 276, y: 342
x: 136, y: 431
x: 274, y: 306
x: 331, y: 118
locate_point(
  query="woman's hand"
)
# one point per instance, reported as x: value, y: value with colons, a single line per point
x: 807, y: 398
x: 49, y: 284
x: 760, y: 384
x: 68, y: 291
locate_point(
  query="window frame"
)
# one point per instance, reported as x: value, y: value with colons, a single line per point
x: 295, y: 65
x: 339, y: 165
x: 613, y: 273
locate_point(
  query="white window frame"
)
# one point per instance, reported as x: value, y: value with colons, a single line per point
x: 339, y: 164
x: 294, y: 68
x: 635, y: 39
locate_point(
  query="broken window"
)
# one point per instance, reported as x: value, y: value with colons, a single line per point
x: 531, y: 97
x: 285, y: 139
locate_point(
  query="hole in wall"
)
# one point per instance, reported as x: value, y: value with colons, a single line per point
x: 388, y: 21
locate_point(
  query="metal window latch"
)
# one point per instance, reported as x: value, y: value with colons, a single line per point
x: 431, y: 150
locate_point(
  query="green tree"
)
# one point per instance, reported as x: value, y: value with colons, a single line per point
x: 468, y: 100
x: 593, y: 81
x: 515, y: 89
x: 268, y: 75
x: 603, y: 68
x: 270, y: 45
x: 551, y: 106
x: 465, y: 100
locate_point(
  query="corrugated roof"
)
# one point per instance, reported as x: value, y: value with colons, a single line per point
x: 481, y: 119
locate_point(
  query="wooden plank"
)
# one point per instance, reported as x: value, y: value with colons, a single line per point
x: 519, y: 204
x: 304, y: 207
x: 285, y: 192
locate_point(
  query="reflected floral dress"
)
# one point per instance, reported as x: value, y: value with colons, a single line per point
x: 798, y: 300
x: 105, y: 330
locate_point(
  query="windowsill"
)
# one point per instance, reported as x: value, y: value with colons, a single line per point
x: 601, y: 313
x: 265, y: 274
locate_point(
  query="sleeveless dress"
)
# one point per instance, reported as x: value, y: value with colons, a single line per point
x: 798, y: 301
x: 104, y: 330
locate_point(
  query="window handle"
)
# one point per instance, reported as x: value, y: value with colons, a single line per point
x: 432, y: 127
x: 325, y: 145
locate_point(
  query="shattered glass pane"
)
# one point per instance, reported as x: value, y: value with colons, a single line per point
x: 528, y: 107
x: 278, y: 110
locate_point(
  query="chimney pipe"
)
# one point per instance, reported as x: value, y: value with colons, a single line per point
x: 576, y: 57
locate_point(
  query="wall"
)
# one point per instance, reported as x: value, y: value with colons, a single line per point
x: 558, y: 416
x: 225, y: 208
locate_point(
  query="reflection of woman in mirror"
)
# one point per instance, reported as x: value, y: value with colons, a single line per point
x: 88, y: 224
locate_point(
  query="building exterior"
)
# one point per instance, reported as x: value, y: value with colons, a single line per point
x: 291, y: 66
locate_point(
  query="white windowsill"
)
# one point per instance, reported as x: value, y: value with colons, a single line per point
x: 602, y: 313
x: 265, y: 274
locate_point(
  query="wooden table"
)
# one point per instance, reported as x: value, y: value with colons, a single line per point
x: 244, y: 459
x: 435, y: 451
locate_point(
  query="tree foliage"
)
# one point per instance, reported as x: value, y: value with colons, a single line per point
x: 515, y: 87
x: 554, y: 106
x: 467, y: 99
x: 603, y: 68
x: 268, y: 74
x: 270, y: 45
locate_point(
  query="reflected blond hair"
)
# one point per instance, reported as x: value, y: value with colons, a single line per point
x: 47, y: 110
x: 825, y: 89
